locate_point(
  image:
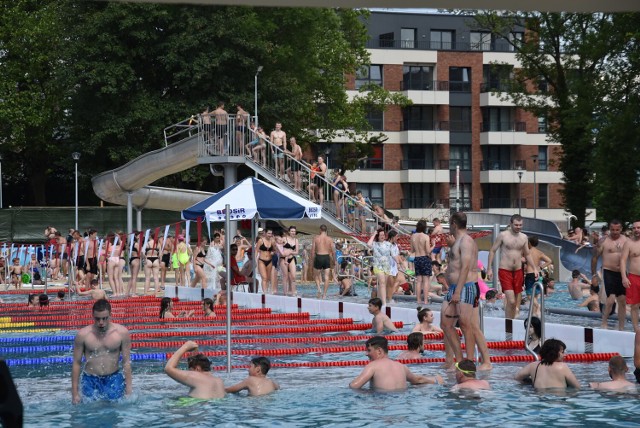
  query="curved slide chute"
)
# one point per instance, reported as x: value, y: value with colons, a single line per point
x: 135, y: 176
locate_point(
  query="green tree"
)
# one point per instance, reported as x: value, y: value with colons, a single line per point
x: 33, y: 95
x: 570, y: 53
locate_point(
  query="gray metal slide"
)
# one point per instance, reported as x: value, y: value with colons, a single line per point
x: 134, y: 177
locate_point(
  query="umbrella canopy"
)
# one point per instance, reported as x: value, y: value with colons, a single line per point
x: 252, y: 197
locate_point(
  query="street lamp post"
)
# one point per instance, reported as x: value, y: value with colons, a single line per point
x: 255, y: 95
x: 520, y: 174
x: 534, y: 158
x: 76, y: 157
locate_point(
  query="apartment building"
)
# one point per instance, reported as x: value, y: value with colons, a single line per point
x: 460, y: 143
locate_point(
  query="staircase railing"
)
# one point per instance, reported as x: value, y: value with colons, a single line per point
x: 233, y: 135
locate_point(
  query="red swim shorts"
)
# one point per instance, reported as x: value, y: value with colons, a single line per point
x: 633, y: 292
x: 511, y: 280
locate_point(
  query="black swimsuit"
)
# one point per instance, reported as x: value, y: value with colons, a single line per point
x: 292, y: 248
x: 198, y: 256
x: 264, y: 248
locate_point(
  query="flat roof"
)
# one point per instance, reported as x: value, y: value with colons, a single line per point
x: 524, y: 5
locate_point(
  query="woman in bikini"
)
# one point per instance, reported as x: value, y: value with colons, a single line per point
x: 199, y: 260
x: 151, y: 267
x: 265, y: 249
x: 113, y: 252
x: 207, y: 307
x: 291, y: 249
x: 550, y: 371
x: 134, y: 265
x: 339, y: 187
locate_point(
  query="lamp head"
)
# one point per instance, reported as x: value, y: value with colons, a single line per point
x: 259, y: 69
x: 75, y: 156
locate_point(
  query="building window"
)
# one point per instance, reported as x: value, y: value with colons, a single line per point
x: 373, y: 191
x: 543, y: 195
x: 460, y: 156
x: 460, y: 79
x: 418, y: 156
x: 419, y: 118
x: 498, y: 119
x: 515, y: 39
x: 386, y: 40
x: 407, y: 38
x: 496, y: 77
x: 418, y: 195
x: 543, y: 158
x: 369, y: 75
x: 542, y: 125
x: 543, y: 86
x: 417, y: 78
x: 479, y: 41
x: 442, y: 40
x: 375, y: 117
x: 460, y: 119
x: 375, y: 161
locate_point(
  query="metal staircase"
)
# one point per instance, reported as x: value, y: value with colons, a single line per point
x: 233, y: 141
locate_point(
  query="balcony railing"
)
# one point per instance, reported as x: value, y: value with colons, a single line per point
x: 424, y: 125
x: 504, y: 127
x: 495, y: 86
x: 459, y: 126
x: 489, y: 203
x: 497, y: 165
x: 418, y: 164
x: 451, y: 164
x: 416, y: 84
x: 456, y: 86
x: 433, y: 45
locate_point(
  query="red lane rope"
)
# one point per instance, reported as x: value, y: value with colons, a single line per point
x: 142, y: 318
x: 312, y: 339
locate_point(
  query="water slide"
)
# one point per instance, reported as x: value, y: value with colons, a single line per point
x: 136, y: 176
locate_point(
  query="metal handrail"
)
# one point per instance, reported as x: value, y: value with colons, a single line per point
x: 537, y: 285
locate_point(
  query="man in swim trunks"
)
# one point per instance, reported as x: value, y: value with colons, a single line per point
x: 386, y: 374
x: 295, y: 173
x: 436, y: 252
x: 199, y: 378
x: 102, y: 344
x: 421, y: 247
x: 610, y: 249
x: 221, y: 120
x: 279, y: 139
x: 323, y: 252
x: 513, y: 245
x: 381, y: 323
x: 461, y: 301
x: 631, y: 276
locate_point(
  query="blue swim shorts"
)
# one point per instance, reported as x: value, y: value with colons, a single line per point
x: 470, y: 293
x: 422, y: 266
x: 110, y: 387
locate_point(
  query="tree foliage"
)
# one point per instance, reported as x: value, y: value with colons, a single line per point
x: 571, y: 53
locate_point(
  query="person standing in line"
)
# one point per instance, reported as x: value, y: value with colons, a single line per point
x: 317, y: 183
x: 611, y: 251
x: 381, y: 249
x: 279, y: 139
x: 291, y: 246
x: 631, y: 275
x: 266, y: 247
x: 242, y: 125
x: 463, y: 296
x: 295, y: 175
x: 206, y: 125
x: 102, y: 344
x: 421, y: 248
x: 513, y: 245
x: 221, y: 132
x: 323, y: 252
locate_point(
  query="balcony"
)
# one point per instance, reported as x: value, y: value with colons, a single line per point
x: 424, y: 85
x: 503, y: 127
x: 451, y: 164
x: 496, y: 203
x: 502, y: 165
x: 424, y: 125
x: 438, y: 46
x: 418, y: 164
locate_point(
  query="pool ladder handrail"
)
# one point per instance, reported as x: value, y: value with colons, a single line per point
x: 537, y: 285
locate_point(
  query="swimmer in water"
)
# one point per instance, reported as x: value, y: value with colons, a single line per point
x: 257, y: 383
x: 425, y: 324
x: 466, y: 377
x: 381, y: 324
x: 415, y: 347
x: 617, y: 372
x: 204, y: 385
x: 101, y: 344
x: 383, y: 373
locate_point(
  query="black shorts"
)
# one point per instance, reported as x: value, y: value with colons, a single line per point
x: 322, y: 262
x: 221, y: 130
x: 636, y: 373
x: 166, y: 259
x: 80, y: 262
x: 613, y: 283
x: 92, y: 265
x: 295, y: 166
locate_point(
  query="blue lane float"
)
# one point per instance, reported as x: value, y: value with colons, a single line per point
x: 69, y: 360
x: 36, y: 339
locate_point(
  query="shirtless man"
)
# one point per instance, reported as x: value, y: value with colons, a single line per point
x: 611, y: 251
x: 466, y: 377
x: 383, y: 373
x: 78, y: 251
x: 257, y: 383
x: 550, y: 371
x: 513, y: 245
x: 415, y: 347
x: 436, y: 252
x: 323, y: 251
x: 101, y: 344
x: 631, y: 276
x: 381, y: 323
x: 221, y: 120
x: 462, y: 299
x: 91, y: 256
x: 15, y: 273
x: 617, y: 372
x: 199, y: 378
x: 295, y: 174
x: 242, y: 125
x: 579, y: 285
x: 421, y: 247
x: 279, y: 139
x: 94, y: 291
x: 206, y: 125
